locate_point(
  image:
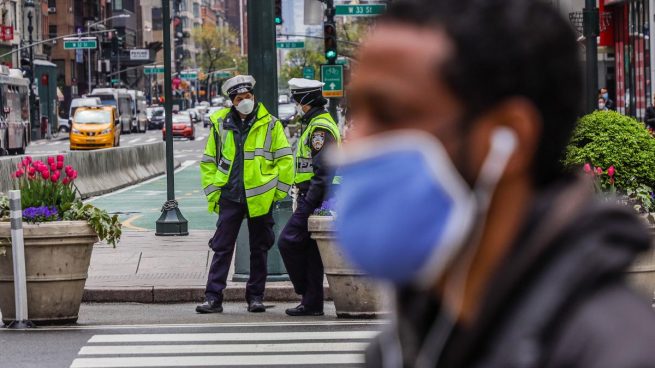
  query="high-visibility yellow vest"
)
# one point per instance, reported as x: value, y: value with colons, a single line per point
x: 304, y: 167
x: 267, y: 166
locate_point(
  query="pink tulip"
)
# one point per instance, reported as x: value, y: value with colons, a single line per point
x: 45, y: 174
x: 51, y: 160
x: 611, y: 171
x: 587, y: 168
x: 60, y: 158
x: 31, y: 177
x: 28, y: 159
x: 60, y: 165
x: 53, y: 167
x: 19, y: 173
x: 66, y: 181
x: 31, y: 170
x: 599, y: 171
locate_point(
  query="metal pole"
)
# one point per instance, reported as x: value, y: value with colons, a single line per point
x: 262, y: 55
x: 329, y: 13
x: 171, y: 221
x: 243, y: 50
x: 591, y: 31
x: 88, y: 62
x: 18, y: 253
x: 33, y: 111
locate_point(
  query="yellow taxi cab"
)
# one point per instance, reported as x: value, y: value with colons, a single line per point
x: 95, y: 127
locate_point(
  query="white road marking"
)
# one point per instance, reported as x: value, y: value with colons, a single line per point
x: 210, y: 325
x: 55, y: 143
x: 202, y: 137
x: 150, y: 140
x: 220, y: 360
x: 133, y: 141
x: 224, y: 348
x: 234, y: 336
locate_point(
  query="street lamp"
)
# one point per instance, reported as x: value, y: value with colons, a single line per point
x: 88, y: 55
x: 30, y: 29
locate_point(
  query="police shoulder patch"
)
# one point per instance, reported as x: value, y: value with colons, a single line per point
x: 318, y: 140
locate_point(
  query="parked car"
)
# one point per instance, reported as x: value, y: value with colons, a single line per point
x: 157, y: 118
x: 286, y: 113
x: 95, y: 127
x: 205, y: 118
x: 182, y: 127
x: 75, y: 104
x: 283, y: 99
x: 218, y: 101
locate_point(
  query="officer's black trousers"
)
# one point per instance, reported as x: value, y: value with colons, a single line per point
x: 262, y: 237
x: 302, y: 258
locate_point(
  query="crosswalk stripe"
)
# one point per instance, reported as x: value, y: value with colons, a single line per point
x: 56, y: 143
x: 224, y: 348
x: 202, y: 137
x: 220, y: 360
x: 235, y: 336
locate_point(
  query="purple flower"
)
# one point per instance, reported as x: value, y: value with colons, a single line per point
x: 40, y: 214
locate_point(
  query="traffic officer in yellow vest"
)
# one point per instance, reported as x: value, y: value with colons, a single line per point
x: 313, y: 180
x: 247, y: 166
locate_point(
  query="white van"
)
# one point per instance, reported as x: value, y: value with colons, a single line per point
x: 121, y: 100
x: 139, y: 105
x: 80, y: 102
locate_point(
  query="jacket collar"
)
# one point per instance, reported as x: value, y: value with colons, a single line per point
x: 311, y: 114
x: 258, y: 116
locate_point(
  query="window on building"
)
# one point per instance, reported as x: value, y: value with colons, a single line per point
x: 52, y: 4
x: 52, y: 31
x: 196, y: 10
x: 118, y: 4
x: 157, y: 19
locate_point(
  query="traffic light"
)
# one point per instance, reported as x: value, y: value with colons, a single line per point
x: 278, y: 12
x: 330, y: 36
x: 26, y: 68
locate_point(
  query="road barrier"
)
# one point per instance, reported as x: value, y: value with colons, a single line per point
x: 101, y: 171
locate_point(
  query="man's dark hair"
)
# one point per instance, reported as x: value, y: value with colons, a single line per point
x: 504, y: 49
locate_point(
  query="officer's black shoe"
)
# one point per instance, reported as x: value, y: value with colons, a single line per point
x: 255, y: 305
x: 302, y: 310
x: 210, y: 306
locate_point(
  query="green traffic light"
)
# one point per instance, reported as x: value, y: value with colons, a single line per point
x: 331, y: 54
x: 278, y: 20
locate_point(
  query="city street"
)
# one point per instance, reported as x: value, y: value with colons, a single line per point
x: 139, y: 335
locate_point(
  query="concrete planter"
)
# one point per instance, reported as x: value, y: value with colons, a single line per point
x: 641, y: 274
x: 57, y: 257
x: 354, y: 295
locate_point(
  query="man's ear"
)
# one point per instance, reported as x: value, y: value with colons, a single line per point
x: 521, y: 116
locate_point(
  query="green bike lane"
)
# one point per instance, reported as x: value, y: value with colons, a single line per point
x: 139, y: 206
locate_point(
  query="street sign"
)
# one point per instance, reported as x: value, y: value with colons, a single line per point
x: 140, y: 54
x: 159, y: 69
x: 332, y: 76
x: 114, y: 81
x: 71, y: 43
x: 360, y: 10
x: 189, y: 75
x: 308, y: 72
x: 290, y: 44
x: 222, y: 74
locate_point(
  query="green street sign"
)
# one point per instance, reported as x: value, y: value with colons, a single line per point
x: 308, y: 72
x: 222, y: 74
x: 290, y: 44
x: 80, y: 43
x: 189, y: 75
x: 332, y: 76
x: 360, y: 10
x: 153, y: 70
x: 114, y: 81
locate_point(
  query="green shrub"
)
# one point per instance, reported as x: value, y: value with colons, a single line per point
x: 606, y: 138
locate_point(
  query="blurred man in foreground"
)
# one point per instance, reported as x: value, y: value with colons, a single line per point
x: 453, y: 192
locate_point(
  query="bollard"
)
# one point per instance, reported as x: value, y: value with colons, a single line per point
x: 18, y: 252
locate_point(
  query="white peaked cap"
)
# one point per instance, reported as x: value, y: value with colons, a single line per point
x: 239, y: 84
x: 304, y: 84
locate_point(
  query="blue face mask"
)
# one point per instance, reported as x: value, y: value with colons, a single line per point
x: 606, y: 96
x: 403, y: 210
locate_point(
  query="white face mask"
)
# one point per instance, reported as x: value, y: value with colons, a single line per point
x: 246, y: 106
x: 299, y: 110
x: 601, y: 106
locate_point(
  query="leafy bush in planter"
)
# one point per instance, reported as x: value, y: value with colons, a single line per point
x: 607, y: 138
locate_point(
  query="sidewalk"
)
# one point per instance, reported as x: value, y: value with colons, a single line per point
x: 144, y: 268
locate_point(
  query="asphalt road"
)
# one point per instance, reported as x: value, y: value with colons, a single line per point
x: 174, y: 336
x: 183, y: 147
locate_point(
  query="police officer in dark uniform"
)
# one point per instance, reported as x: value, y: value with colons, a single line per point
x: 312, y: 182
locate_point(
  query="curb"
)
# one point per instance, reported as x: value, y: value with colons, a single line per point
x: 155, y: 294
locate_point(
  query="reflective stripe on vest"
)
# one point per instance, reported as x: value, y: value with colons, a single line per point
x: 304, y: 161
